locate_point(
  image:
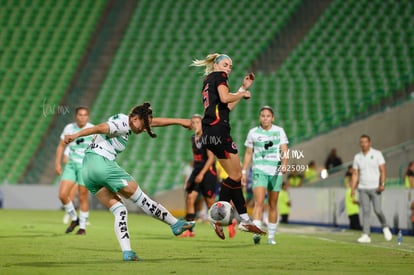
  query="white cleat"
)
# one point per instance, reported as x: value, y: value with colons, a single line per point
x: 387, y: 234
x: 271, y: 242
x: 66, y: 218
x: 364, y: 239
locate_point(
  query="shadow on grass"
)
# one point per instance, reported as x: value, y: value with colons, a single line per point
x: 62, y: 264
x: 28, y: 235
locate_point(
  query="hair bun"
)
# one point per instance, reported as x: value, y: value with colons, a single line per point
x: 147, y: 104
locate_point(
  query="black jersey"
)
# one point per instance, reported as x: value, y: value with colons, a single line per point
x: 215, y: 111
x: 199, y: 153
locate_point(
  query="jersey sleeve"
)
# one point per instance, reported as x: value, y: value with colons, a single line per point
x: 381, y: 159
x: 355, y: 164
x: 222, y: 79
x: 249, y: 140
x: 118, y: 125
x: 66, y: 131
x: 283, y: 137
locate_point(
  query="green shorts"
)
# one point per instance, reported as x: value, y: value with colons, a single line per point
x: 73, y: 172
x: 271, y: 183
x: 99, y: 172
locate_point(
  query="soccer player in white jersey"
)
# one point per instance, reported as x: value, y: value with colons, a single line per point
x: 106, y: 179
x: 265, y: 144
x: 72, y: 173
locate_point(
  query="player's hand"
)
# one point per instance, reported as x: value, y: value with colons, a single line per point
x: 248, y: 81
x: 69, y: 138
x: 243, y: 180
x: 246, y: 94
x: 352, y: 193
x: 380, y: 188
x: 283, y: 169
x: 199, y: 178
x: 58, y: 168
x: 186, y: 124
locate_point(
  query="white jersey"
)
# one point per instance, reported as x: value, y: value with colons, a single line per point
x: 368, y: 168
x: 76, y: 149
x: 266, y: 148
x: 113, y: 143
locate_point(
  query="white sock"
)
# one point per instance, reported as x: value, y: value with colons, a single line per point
x: 83, y: 218
x: 70, y: 209
x: 152, y: 208
x: 258, y: 223
x: 244, y: 217
x: 271, y: 228
x: 121, y: 225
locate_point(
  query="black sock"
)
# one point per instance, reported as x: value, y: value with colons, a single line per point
x: 190, y: 217
x: 233, y: 191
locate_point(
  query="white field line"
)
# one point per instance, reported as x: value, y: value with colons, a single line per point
x: 344, y: 242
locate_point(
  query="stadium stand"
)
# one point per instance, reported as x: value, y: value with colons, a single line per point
x: 40, y: 47
x: 152, y: 64
x: 356, y: 57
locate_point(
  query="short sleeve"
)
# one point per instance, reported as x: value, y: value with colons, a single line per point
x: 381, y: 159
x: 355, y: 164
x: 222, y: 79
x: 249, y: 140
x: 283, y: 137
x: 66, y: 131
x: 118, y: 125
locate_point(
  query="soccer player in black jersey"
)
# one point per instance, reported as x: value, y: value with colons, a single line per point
x: 218, y: 102
x: 203, y: 179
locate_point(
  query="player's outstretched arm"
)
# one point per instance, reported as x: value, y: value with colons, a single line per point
x: 165, y: 121
x: 102, y: 128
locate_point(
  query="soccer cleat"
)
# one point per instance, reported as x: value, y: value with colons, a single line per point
x: 364, y: 239
x: 180, y: 226
x: 66, y: 218
x: 187, y: 234
x: 387, y: 234
x: 232, y: 228
x: 271, y: 242
x: 130, y: 256
x: 81, y: 232
x: 219, y: 230
x: 256, y: 239
x: 72, y: 226
x: 248, y: 226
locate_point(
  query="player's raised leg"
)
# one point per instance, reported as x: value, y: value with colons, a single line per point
x: 153, y: 208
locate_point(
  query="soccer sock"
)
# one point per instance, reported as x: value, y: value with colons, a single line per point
x: 190, y: 217
x: 83, y: 218
x: 152, y: 208
x: 70, y: 209
x: 258, y: 223
x: 271, y: 228
x: 121, y: 225
x: 234, y: 189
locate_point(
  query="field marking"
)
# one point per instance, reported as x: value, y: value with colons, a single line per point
x: 344, y: 242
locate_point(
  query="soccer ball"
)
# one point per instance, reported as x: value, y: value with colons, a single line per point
x: 221, y: 212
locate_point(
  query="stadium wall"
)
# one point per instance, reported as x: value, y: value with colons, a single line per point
x: 387, y: 129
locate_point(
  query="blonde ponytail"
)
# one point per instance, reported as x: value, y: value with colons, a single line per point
x: 209, y: 61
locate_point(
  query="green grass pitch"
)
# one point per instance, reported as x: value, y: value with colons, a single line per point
x: 34, y: 242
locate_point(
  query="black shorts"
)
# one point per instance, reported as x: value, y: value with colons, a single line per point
x: 207, y: 187
x: 218, y: 140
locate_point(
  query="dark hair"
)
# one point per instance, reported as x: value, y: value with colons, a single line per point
x: 144, y: 112
x: 79, y: 108
x: 267, y: 108
x: 365, y: 136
